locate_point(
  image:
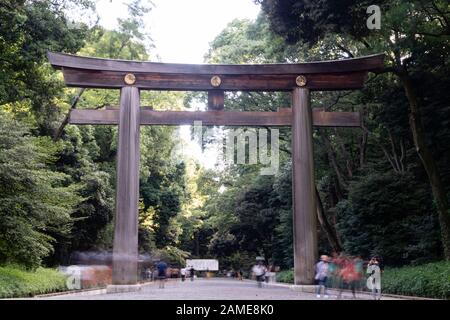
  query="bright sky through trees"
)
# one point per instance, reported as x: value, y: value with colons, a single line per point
x: 182, y: 29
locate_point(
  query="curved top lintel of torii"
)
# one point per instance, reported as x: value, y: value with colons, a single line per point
x: 343, y: 74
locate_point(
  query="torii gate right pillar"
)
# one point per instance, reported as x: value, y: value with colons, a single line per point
x: 303, y: 189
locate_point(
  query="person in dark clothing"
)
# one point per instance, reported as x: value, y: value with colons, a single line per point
x: 240, y: 274
x: 192, y: 273
x: 161, y: 266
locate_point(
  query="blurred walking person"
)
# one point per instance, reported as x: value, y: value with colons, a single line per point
x: 192, y: 272
x: 349, y: 277
x: 259, y: 271
x: 374, y: 280
x: 322, y: 276
x: 358, y: 264
x: 240, y: 272
x: 161, y: 267
x: 333, y: 272
x: 148, y: 274
x: 183, y: 274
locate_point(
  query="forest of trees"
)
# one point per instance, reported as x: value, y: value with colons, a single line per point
x: 382, y: 189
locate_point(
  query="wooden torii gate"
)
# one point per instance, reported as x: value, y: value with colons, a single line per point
x: 132, y: 76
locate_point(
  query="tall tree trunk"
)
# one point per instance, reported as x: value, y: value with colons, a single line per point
x: 429, y: 163
x: 197, y: 245
x: 329, y: 230
x: 334, y: 163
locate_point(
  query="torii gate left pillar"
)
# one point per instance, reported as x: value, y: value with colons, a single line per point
x: 125, y: 254
x: 303, y: 189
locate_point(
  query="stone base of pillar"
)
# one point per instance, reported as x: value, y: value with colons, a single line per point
x: 121, y: 288
x: 304, y: 288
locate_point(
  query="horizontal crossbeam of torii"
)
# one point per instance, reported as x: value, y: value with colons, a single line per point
x: 281, y: 118
x: 132, y: 76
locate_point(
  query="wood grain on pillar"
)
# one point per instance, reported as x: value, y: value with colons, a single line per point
x: 303, y: 193
x: 216, y: 100
x: 126, y: 220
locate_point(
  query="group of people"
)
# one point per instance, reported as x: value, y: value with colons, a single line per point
x: 188, y: 271
x: 161, y: 273
x: 344, y: 272
x: 339, y: 271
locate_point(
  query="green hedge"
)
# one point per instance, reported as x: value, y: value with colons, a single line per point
x: 286, y: 276
x: 430, y: 280
x: 17, y: 282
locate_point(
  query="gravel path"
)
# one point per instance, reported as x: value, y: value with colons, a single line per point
x: 207, y: 289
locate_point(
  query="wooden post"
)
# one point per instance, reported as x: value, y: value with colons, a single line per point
x: 303, y: 193
x: 125, y: 254
x: 216, y: 100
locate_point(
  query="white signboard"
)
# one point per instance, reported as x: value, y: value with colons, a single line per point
x: 203, y: 264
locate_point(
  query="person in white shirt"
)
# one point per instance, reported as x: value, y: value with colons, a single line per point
x: 183, y: 274
x: 259, y: 270
x: 374, y: 280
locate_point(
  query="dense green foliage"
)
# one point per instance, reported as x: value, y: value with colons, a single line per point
x: 36, y: 202
x: 58, y: 181
x: 28, y: 30
x: 414, y: 35
x: 384, y: 214
x: 373, y: 188
x: 383, y: 189
x: 16, y: 282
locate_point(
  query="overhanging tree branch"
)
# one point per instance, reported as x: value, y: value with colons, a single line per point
x: 65, y: 122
